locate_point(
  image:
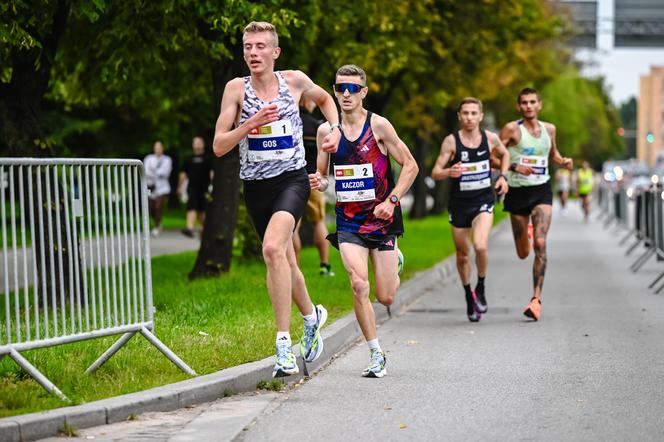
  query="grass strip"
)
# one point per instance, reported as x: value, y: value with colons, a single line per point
x: 211, y: 324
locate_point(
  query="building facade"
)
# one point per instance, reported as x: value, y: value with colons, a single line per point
x: 650, y: 118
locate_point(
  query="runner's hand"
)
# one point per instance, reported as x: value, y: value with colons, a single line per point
x: 524, y: 170
x: 567, y: 163
x: 501, y: 185
x: 455, y: 170
x: 331, y: 141
x: 316, y: 181
x: 384, y: 210
x: 266, y: 115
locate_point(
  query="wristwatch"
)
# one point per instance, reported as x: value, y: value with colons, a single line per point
x: 394, y: 200
x: 333, y: 125
x: 503, y: 176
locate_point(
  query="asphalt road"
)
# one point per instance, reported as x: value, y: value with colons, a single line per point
x: 592, y: 368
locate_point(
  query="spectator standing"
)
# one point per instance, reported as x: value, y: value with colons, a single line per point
x: 196, y: 174
x: 158, y: 167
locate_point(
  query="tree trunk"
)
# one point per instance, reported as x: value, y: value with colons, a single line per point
x: 420, y: 189
x: 216, y: 251
x: 21, y: 135
x: 441, y: 193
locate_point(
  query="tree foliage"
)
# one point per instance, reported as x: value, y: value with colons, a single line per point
x: 585, y: 119
x: 100, y: 78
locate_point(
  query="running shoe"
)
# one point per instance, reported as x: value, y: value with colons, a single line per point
x: 311, y: 342
x: 480, y: 302
x: 476, y: 314
x: 286, y: 363
x: 400, y: 260
x: 376, y: 367
x: 534, y: 308
x: 326, y: 270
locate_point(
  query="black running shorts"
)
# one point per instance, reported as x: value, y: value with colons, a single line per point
x: 197, y: 200
x: 287, y: 192
x: 462, y: 217
x: 522, y: 200
x: 368, y: 241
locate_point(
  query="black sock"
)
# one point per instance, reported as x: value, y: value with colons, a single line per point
x: 479, y: 289
x: 469, y: 300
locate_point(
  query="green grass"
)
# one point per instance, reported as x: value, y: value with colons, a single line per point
x: 211, y: 324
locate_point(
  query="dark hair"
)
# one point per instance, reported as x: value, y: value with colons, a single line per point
x: 352, y: 71
x: 527, y: 91
x: 471, y: 100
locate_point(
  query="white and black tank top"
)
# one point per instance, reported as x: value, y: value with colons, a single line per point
x: 473, y: 187
x: 275, y: 148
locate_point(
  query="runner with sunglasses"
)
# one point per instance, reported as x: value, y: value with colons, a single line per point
x: 471, y: 197
x: 260, y: 112
x: 368, y: 213
x: 531, y: 144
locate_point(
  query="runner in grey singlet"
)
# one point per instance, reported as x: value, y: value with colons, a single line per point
x: 267, y: 166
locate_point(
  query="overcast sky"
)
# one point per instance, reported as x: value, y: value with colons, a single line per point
x: 621, y: 67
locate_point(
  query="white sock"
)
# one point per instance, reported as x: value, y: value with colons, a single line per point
x: 373, y: 344
x: 283, y: 336
x: 310, y: 320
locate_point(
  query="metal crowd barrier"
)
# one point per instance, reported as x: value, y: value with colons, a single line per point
x: 642, y: 214
x: 75, y: 260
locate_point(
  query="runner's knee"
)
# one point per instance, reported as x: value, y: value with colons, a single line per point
x: 272, y: 252
x: 386, y: 296
x: 539, y: 245
x: 360, y: 288
x: 523, y: 253
x: 480, y: 249
x: 462, y: 258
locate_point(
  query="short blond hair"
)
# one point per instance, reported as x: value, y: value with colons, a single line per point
x: 262, y: 26
x: 470, y: 100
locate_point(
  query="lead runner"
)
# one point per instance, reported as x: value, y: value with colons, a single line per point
x: 260, y: 112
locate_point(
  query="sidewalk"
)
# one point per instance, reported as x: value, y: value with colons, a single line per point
x: 591, y: 369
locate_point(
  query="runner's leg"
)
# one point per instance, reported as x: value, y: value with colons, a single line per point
x: 541, y: 216
x: 520, y: 232
x: 355, y: 258
x: 386, y: 277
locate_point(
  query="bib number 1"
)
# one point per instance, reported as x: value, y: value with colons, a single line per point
x: 271, y: 142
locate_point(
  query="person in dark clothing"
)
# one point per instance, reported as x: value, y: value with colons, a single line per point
x: 196, y: 176
x: 465, y: 159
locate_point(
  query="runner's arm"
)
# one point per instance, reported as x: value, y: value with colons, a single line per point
x: 447, y: 152
x: 395, y: 147
x: 398, y: 150
x: 510, y: 135
x: 554, y: 154
x: 497, y: 147
x: 319, y: 180
x: 225, y: 137
x: 325, y: 103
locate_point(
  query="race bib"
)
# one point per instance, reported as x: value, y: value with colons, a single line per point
x: 540, y: 166
x: 271, y: 142
x: 475, y: 176
x: 354, y: 183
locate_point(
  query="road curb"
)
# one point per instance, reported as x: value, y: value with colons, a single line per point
x: 207, y: 388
